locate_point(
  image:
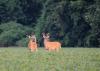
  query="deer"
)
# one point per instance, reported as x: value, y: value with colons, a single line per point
x: 32, y: 45
x: 50, y: 45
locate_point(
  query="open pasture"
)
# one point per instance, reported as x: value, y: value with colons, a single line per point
x: 67, y: 59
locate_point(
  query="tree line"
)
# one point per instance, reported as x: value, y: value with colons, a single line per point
x: 75, y: 23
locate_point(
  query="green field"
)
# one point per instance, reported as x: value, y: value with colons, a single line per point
x: 67, y: 59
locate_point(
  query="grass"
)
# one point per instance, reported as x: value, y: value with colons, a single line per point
x: 67, y: 59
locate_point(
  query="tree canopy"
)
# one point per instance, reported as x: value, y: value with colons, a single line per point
x: 74, y: 23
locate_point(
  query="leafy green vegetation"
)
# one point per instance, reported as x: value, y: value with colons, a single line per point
x: 12, y: 33
x: 67, y: 59
x: 72, y: 22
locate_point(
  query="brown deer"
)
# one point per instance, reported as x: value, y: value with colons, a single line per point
x: 49, y: 45
x: 32, y: 45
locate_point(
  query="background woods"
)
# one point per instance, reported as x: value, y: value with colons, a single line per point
x: 72, y: 22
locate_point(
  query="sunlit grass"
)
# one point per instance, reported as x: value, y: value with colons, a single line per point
x: 67, y: 59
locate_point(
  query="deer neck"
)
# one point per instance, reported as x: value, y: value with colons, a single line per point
x: 46, y: 40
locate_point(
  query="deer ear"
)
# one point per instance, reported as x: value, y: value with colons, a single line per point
x: 29, y: 36
x: 48, y: 33
x: 43, y: 33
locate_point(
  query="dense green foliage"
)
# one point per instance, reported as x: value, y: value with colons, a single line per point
x: 67, y: 59
x: 72, y: 22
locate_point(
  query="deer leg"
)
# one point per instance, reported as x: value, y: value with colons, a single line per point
x: 36, y: 49
x: 49, y: 49
x: 31, y: 50
x: 57, y: 49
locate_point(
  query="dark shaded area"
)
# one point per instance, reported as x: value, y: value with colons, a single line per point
x: 74, y: 23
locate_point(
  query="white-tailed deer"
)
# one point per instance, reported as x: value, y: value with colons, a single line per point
x: 32, y: 45
x: 49, y: 45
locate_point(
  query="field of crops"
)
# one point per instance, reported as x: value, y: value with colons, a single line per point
x: 67, y: 59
